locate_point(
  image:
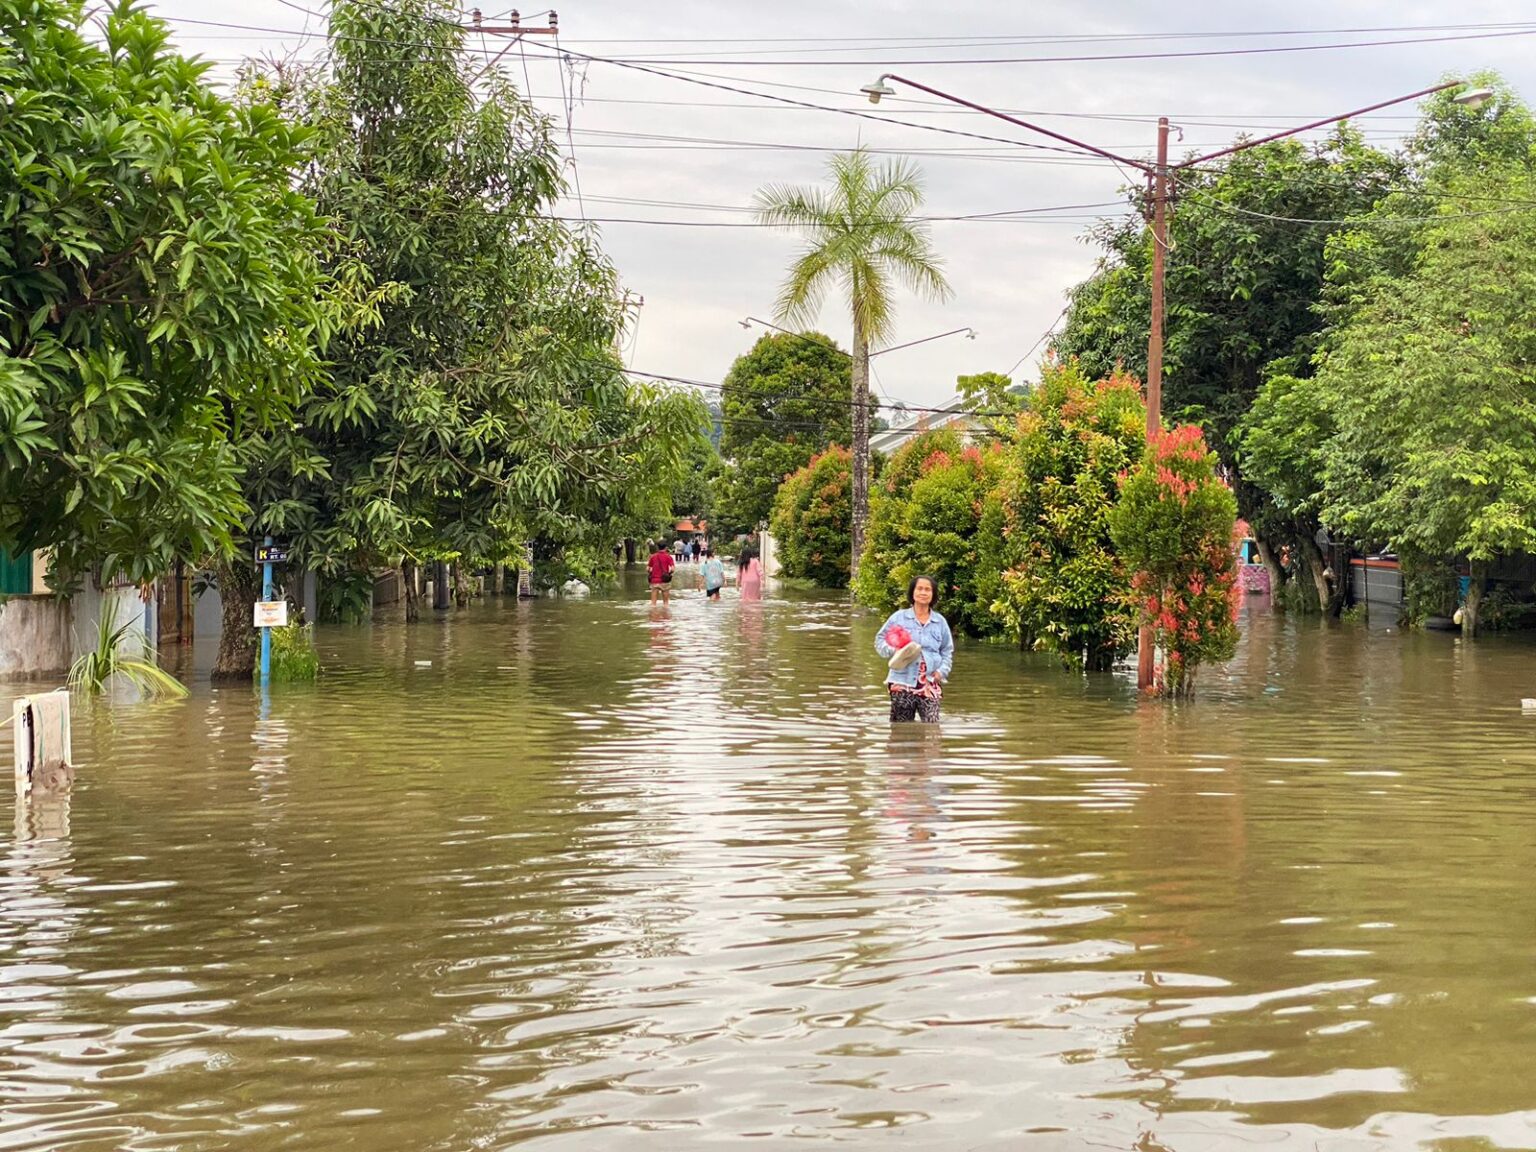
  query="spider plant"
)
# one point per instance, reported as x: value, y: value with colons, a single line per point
x: 120, y: 651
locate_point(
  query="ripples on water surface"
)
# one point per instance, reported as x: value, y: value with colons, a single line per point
x: 597, y: 879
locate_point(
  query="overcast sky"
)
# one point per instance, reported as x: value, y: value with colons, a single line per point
x: 1009, y: 276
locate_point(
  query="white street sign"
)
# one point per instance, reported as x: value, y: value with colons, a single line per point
x: 271, y: 613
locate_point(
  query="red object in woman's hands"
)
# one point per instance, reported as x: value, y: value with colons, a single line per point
x: 897, y: 637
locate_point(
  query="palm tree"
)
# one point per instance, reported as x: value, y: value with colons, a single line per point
x: 861, y: 232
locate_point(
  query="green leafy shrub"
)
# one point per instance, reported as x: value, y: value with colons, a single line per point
x: 294, y: 656
x: 813, y: 517
x: 1173, y: 526
x: 924, y: 517
x: 1044, y: 533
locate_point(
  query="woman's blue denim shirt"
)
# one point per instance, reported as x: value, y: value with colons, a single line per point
x: 937, y: 643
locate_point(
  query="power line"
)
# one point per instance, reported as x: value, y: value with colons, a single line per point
x: 1044, y: 336
x: 1047, y: 38
x: 971, y: 61
x: 817, y: 400
x: 825, y: 108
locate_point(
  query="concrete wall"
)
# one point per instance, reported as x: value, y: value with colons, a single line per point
x: 40, y: 636
x: 34, y: 638
x: 768, y: 553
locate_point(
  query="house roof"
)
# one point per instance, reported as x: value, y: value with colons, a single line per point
x: 952, y: 413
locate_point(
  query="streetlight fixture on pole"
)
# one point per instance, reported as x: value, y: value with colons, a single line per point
x: 970, y: 334
x: 1158, y: 176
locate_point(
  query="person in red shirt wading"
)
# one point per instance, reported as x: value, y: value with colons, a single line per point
x: 660, y: 576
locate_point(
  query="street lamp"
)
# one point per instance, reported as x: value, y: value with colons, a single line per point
x: 970, y: 334
x: 1158, y: 175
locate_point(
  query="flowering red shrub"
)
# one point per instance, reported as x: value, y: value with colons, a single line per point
x: 1173, y: 527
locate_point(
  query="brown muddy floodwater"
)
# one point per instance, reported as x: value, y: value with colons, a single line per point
x: 603, y: 879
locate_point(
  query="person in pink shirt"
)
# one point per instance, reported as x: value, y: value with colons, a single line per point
x: 749, y: 573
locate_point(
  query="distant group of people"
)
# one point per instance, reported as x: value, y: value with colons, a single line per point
x: 664, y: 561
x: 685, y: 550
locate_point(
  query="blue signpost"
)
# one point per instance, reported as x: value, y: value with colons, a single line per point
x: 266, y: 594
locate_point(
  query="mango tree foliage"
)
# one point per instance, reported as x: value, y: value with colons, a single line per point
x: 1064, y: 588
x: 159, y: 292
x: 813, y: 519
x: 923, y: 519
x: 1173, y: 526
x: 474, y: 403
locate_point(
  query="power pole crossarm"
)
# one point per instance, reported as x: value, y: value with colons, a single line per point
x: 516, y: 27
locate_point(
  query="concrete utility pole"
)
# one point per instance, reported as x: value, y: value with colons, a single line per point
x: 515, y: 29
x: 1159, y: 176
x: 1145, y: 636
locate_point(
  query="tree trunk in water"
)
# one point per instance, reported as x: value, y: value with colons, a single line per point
x: 408, y: 572
x: 239, y: 586
x: 1328, y: 600
x: 442, y: 593
x: 1272, y: 566
x: 1472, y: 609
x: 1100, y: 656
x: 860, y: 444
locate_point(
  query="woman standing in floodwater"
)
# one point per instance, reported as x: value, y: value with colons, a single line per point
x: 749, y: 573
x: 920, y: 664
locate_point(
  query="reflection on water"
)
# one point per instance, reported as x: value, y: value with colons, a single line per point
x: 593, y: 875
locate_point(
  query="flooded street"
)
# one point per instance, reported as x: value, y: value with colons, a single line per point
x: 603, y: 878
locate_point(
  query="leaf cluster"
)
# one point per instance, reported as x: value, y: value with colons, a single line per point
x: 924, y: 518
x: 1173, y: 526
x: 159, y: 278
x: 813, y: 519
x: 1064, y: 588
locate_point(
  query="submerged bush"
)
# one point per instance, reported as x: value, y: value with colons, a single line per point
x: 813, y: 519
x: 1063, y: 586
x: 1174, y: 525
x: 923, y: 519
x: 294, y: 656
x: 121, y: 651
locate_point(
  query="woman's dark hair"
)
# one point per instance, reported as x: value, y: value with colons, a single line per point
x: 932, y: 583
x: 746, y: 554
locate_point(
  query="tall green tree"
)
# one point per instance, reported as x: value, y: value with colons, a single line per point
x: 1408, y: 427
x: 159, y: 293
x: 477, y: 405
x: 782, y: 401
x: 861, y: 235
x: 1246, y: 274
x: 1432, y: 389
